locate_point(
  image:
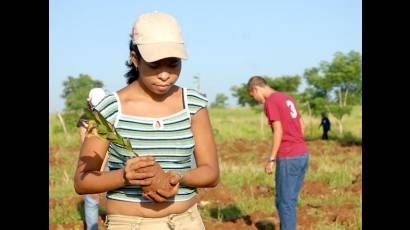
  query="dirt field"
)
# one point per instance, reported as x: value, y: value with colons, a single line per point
x: 328, y: 198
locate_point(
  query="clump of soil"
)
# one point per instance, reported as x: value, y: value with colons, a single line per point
x: 256, y: 220
x: 238, y: 225
x: 53, y: 149
x: 315, y: 188
x: 232, y: 150
x: 355, y: 188
x: 219, y: 194
x: 304, y: 219
x: 340, y: 214
x: 259, y: 215
x: 161, y: 180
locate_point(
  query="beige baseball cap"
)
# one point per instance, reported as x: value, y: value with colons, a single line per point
x: 157, y: 36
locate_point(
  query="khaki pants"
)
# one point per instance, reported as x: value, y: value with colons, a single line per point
x: 188, y: 220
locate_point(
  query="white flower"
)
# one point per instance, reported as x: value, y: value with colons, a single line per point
x: 95, y: 96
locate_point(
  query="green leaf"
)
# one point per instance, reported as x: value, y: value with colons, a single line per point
x: 111, y: 136
x: 90, y: 114
x: 104, y: 121
x: 101, y: 129
x: 118, y: 141
x: 105, y: 131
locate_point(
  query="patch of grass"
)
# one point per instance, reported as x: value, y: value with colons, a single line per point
x: 57, y: 135
x: 249, y: 204
x: 246, y: 123
x: 338, y: 198
x: 65, y: 213
x: 331, y: 171
x: 349, y: 139
x: 61, y: 175
x: 62, y: 190
x: 355, y: 224
x: 236, y: 175
x: 333, y: 226
x: 225, y: 213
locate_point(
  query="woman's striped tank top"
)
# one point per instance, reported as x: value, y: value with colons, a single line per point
x: 169, y: 139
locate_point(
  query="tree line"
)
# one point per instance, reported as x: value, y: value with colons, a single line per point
x: 333, y: 87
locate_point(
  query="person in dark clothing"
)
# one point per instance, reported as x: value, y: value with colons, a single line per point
x: 325, y: 123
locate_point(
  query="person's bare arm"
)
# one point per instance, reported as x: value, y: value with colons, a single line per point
x: 88, y: 178
x: 83, y: 132
x: 207, y: 172
x: 302, y: 126
x: 277, y: 137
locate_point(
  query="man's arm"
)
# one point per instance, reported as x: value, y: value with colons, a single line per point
x: 277, y: 138
x: 302, y: 126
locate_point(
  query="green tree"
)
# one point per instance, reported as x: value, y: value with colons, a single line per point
x: 288, y: 84
x: 220, y: 101
x: 75, y: 91
x: 241, y: 93
x: 336, y: 85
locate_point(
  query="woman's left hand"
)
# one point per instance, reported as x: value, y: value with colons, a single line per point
x: 174, y: 182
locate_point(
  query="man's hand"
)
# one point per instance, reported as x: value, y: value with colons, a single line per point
x: 269, y: 167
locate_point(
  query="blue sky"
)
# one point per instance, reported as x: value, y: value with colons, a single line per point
x: 227, y: 41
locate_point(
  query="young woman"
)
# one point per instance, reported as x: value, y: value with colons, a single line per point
x: 165, y: 123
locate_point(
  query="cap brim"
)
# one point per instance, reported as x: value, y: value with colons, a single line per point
x: 157, y: 51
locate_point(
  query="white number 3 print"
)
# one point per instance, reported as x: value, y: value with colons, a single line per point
x: 293, y: 112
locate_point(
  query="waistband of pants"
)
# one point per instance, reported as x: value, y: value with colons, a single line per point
x: 140, y: 219
x: 306, y: 154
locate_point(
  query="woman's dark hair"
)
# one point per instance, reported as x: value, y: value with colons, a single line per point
x: 132, y: 73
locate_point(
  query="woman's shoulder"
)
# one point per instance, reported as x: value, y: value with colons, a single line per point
x: 196, y: 94
x: 195, y: 100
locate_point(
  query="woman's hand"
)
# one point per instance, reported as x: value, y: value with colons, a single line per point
x: 174, y: 182
x: 161, y: 195
x: 131, y: 176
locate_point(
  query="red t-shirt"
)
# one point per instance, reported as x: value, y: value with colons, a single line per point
x: 281, y: 107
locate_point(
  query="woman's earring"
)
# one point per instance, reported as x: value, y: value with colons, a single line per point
x: 129, y: 62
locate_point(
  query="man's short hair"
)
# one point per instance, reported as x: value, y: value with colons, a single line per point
x: 256, y: 81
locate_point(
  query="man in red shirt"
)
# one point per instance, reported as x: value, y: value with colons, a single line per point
x: 289, y: 150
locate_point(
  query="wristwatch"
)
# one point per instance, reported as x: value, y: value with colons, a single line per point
x: 180, y: 177
x: 271, y: 159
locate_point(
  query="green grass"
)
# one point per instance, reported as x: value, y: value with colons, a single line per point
x: 57, y: 136
x: 336, y: 197
x: 235, y: 123
x: 332, y: 171
x: 62, y: 176
x: 236, y: 175
x: 65, y: 213
x: 241, y: 122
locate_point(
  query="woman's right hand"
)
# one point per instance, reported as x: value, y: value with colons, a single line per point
x: 130, y: 174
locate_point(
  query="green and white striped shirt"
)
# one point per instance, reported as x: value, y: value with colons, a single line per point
x: 171, y: 143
